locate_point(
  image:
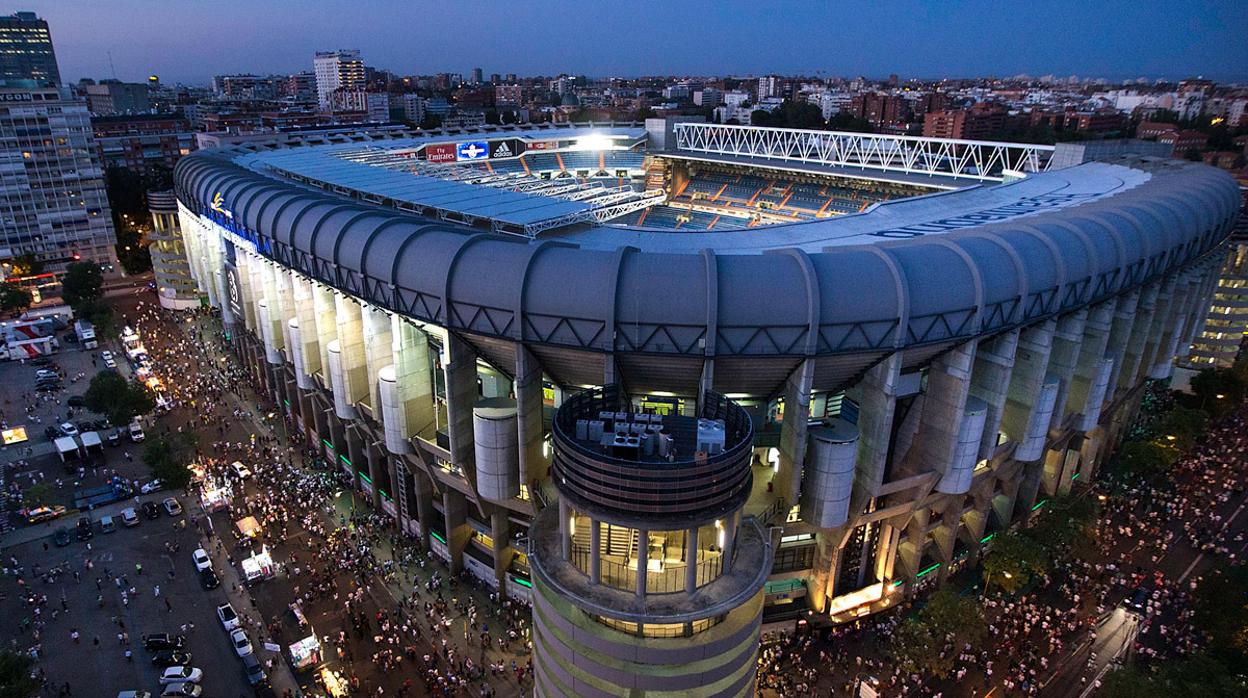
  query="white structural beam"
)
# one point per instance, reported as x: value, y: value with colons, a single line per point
x: 946, y: 157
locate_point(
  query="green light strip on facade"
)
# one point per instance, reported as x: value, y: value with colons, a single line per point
x: 898, y: 583
x: 1040, y: 504
x: 328, y: 444
x: 987, y: 538
x: 365, y: 478
x: 1075, y: 476
x: 286, y: 402
x: 343, y: 459
x: 435, y: 535
x: 927, y: 571
x: 521, y: 582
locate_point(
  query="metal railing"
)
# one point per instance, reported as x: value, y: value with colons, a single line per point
x: 670, y: 580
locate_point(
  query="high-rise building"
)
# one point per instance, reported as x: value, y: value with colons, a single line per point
x: 141, y: 142
x: 979, y: 122
x: 52, y: 199
x: 477, y: 76
x: 110, y: 97
x: 26, y: 50
x: 175, y: 288
x: 1220, y: 340
x: 337, y: 70
x: 768, y: 86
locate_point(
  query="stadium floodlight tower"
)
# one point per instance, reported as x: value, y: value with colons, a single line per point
x: 648, y: 578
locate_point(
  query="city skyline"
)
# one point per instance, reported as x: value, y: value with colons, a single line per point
x: 1171, y: 41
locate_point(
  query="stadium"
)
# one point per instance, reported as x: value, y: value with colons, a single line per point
x: 674, y: 383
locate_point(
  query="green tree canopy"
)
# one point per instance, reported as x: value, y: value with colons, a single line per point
x: 118, y: 399
x: 1064, y: 524
x: 26, y: 265
x: 919, y: 642
x: 1198, y: 675
x: 168, y: 457
x: 14, y: 298
x: 82, y: 284
x: 38, y: 495
x: 1221, y: 604
x: 1185, y: 424
x: 1144, y: 459
x: 1013, y: 559
x: 15, y: 675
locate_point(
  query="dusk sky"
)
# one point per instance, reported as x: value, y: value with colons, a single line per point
x: 190, y: 40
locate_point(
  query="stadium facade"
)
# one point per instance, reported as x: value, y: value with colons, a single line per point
x: 670, y: 384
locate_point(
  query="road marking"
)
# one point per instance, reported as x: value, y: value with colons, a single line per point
x: 1201, y: 556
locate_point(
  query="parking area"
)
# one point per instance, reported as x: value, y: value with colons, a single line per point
x: 111, y: 605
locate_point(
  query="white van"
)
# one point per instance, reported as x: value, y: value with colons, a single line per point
x: 136, y: 431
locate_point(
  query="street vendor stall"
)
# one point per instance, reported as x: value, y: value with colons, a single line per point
x: 215, y: 497
x: 258, y: 567
x: 305, y: 653
x: 335, y: 684
x: 248, y: 527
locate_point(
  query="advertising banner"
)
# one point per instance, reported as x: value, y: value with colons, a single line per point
x: 472, y: 150
x: 509, y: 148
x: 540, y: 145
x: 441, y: 152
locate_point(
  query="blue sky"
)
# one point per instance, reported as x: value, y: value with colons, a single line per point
x: 190, y: 40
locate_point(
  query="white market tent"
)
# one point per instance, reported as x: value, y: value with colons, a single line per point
x: 66, y: 446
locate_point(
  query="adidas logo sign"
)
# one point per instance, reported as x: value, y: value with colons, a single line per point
x: 502, y: 151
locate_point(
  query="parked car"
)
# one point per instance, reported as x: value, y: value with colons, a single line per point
x: 242, y: 471
x: 107, y: 524
x: 228, y: 617
x: 254, y: 670
x: 61, y: 537
x: 84, y: 530
x: 69, y: 429
x: 181, y: 674
x: 150, y: 510
x: 241, y: 644
x: 157, y: 642
x: 129, y: 517
x: 132, y: 694
x: 77, y: 401
x: 208, y: 580
x: 172, y: 507
x: 114, y: 437
x: 51, y: 432
x: 180, y: 690
x: 171, y: 658
x: 202, y: 561
x: 152, y: 486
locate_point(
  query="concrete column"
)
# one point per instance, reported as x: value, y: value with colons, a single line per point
x: 454, y: 508
x: 425, y: 513
x: 990, y: 382
x: 793, y: 431
x: 378, y: 350
x: 304, y: 306
x: 529, y: 419
x: 257, y: 273
x: 351, y: 343
x: 1091, y: 377
x: 1162, y: 320
x: 377, y: 463
x: 876, y: 395
x: 691, y: 560
x: 1136, y: 343
x: 944, y: 407
x: 1067, y: 343
x: 326, y: 323
x: 500, y: 531
x: 730, y: 537
x: 565, y: 528
x: 461, y: 396
x: 1119, y: 337
x: 822, y: 582
x: 595, y: 551
x: 1162, y: 364
x: 1191, y: 292
x: 355, y: 454
x: 643, y: 561
x: 413, y: 378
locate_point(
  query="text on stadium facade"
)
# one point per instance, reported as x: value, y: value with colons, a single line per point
x: 1022, y: 207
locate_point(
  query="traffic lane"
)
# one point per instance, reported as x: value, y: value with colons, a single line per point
x: 103, y: 667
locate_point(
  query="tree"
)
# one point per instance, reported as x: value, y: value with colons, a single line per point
x: 14, y: 298
x: 919, y: 643
x: 117, y: 399
x: 1065, y: 523
x: 1013, y: 559
x: 1197, y: 675
x: 1185, y: 424
x: 16, y: 679
x: 82, y: 284
x: 38, y: 495
x: 26, y: 265
x: 1144, y: 459
x: 168, y: 457
x: 1221, y: 605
